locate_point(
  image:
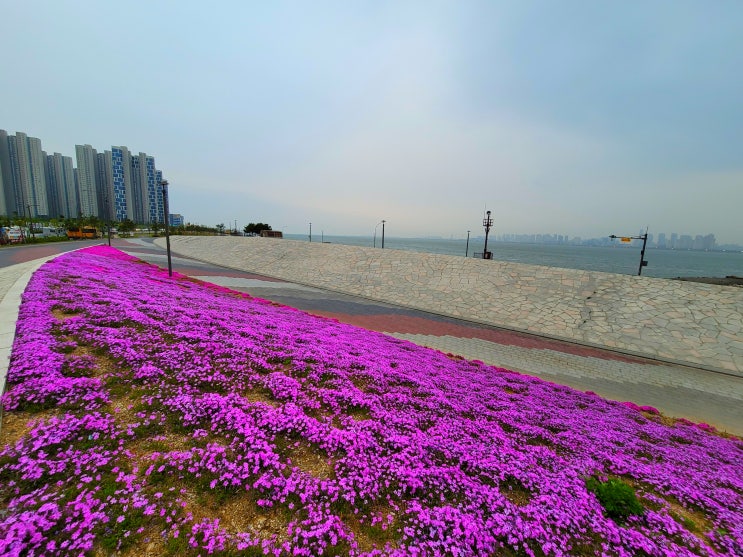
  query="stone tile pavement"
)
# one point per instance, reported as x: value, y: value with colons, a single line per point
x: 674, y: 321
x: 694, y: 394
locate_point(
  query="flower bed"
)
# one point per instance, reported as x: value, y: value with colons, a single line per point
x: 150, y: 415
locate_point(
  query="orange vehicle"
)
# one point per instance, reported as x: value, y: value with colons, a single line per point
x: 84, y: 233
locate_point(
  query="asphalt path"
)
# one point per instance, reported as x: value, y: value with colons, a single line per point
x: 13, y: 254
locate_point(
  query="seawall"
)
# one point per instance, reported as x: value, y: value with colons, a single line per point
x: 675, y: 321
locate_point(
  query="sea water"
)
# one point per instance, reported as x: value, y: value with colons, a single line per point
x: 662, y: 263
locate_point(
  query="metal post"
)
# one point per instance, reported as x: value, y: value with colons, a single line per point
x: 487, y: 222
x: 643, y: 263
x: 164, y: 185
x: 383, y: 234
x: 310, y: 232
x: 31, y: 223
x: 644, y: 238
x: 108, y: 219
x: 467, y: 248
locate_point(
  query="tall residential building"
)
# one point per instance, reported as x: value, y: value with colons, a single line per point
x: 138, y: 164
x: 145, y: 188
x: 28, y: 170
x: 63, y: 198
x: 87, y: 184
x: 7, y: 193
x: 159, y: 197
x: 51, y: 193
x: 104, y: 181
x: 121, y: 176
x: 113, y: 185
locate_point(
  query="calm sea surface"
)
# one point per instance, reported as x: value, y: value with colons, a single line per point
x: 619, y: 259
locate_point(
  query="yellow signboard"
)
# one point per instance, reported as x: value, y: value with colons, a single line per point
x: 626, y: 240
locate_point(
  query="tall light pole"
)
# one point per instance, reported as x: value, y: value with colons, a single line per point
x: 627, y: 239
x: 31, y: 222
x: 487, y: 222
x: 108, y: 216
x: 310, y: 232
x: 164, y: 185
x: 467, y: 247
x: 375, y: 233
x: 383, y: 233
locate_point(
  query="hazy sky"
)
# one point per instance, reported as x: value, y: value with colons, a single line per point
x: 572, y: 117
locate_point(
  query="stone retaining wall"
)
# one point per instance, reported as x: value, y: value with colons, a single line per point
x: 681, y: 322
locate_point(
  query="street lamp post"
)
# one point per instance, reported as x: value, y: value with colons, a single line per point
x: 375, y: 233
x: 644, y: 238
x: 487, y: 222
x: 31, y: 222
x: 164, y: 185
x: 467, y: 247
x: 310, y: 232
x: 108, y: 217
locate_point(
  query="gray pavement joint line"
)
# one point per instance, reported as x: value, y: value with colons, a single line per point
x: 532, y: 334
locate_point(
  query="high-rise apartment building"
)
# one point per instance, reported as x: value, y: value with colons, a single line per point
x: 113, y: 186
x: 159, y: 197
x: 63, y: 199
x: 24, y: 179
x: 7, y: 194
x: 87, y: 158
x: 121, y: 175
x: 145, y: 188
x: 104, y: 186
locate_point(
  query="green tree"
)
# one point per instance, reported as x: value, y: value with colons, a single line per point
x: 255, y: 228
x: 126, y: 227
x: 93, y: 221
x: 220, y: 228
x: 155, y: 227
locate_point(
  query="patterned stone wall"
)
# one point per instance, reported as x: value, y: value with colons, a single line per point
x: 675, y: 321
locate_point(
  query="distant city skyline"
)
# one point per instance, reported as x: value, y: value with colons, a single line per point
x: 587, y: 118
x: 55, y: 183
x: 114, y: 185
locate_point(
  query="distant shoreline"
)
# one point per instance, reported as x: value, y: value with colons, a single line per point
x: 720, y: 281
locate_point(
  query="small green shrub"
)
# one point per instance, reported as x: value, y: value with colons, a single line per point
x: 617, y: 497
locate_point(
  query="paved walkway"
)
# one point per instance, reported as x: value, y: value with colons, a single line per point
x: 678, y: 322
x: 692, y: 393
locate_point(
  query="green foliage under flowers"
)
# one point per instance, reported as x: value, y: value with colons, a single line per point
x: 617, y: 497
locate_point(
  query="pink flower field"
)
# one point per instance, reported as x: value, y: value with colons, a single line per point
x: 148, y: 415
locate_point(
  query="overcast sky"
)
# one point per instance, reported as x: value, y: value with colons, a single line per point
x: 571, y: 117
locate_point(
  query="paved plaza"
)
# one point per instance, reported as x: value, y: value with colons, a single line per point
x: 680, y: 391
x: 673, y: 321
